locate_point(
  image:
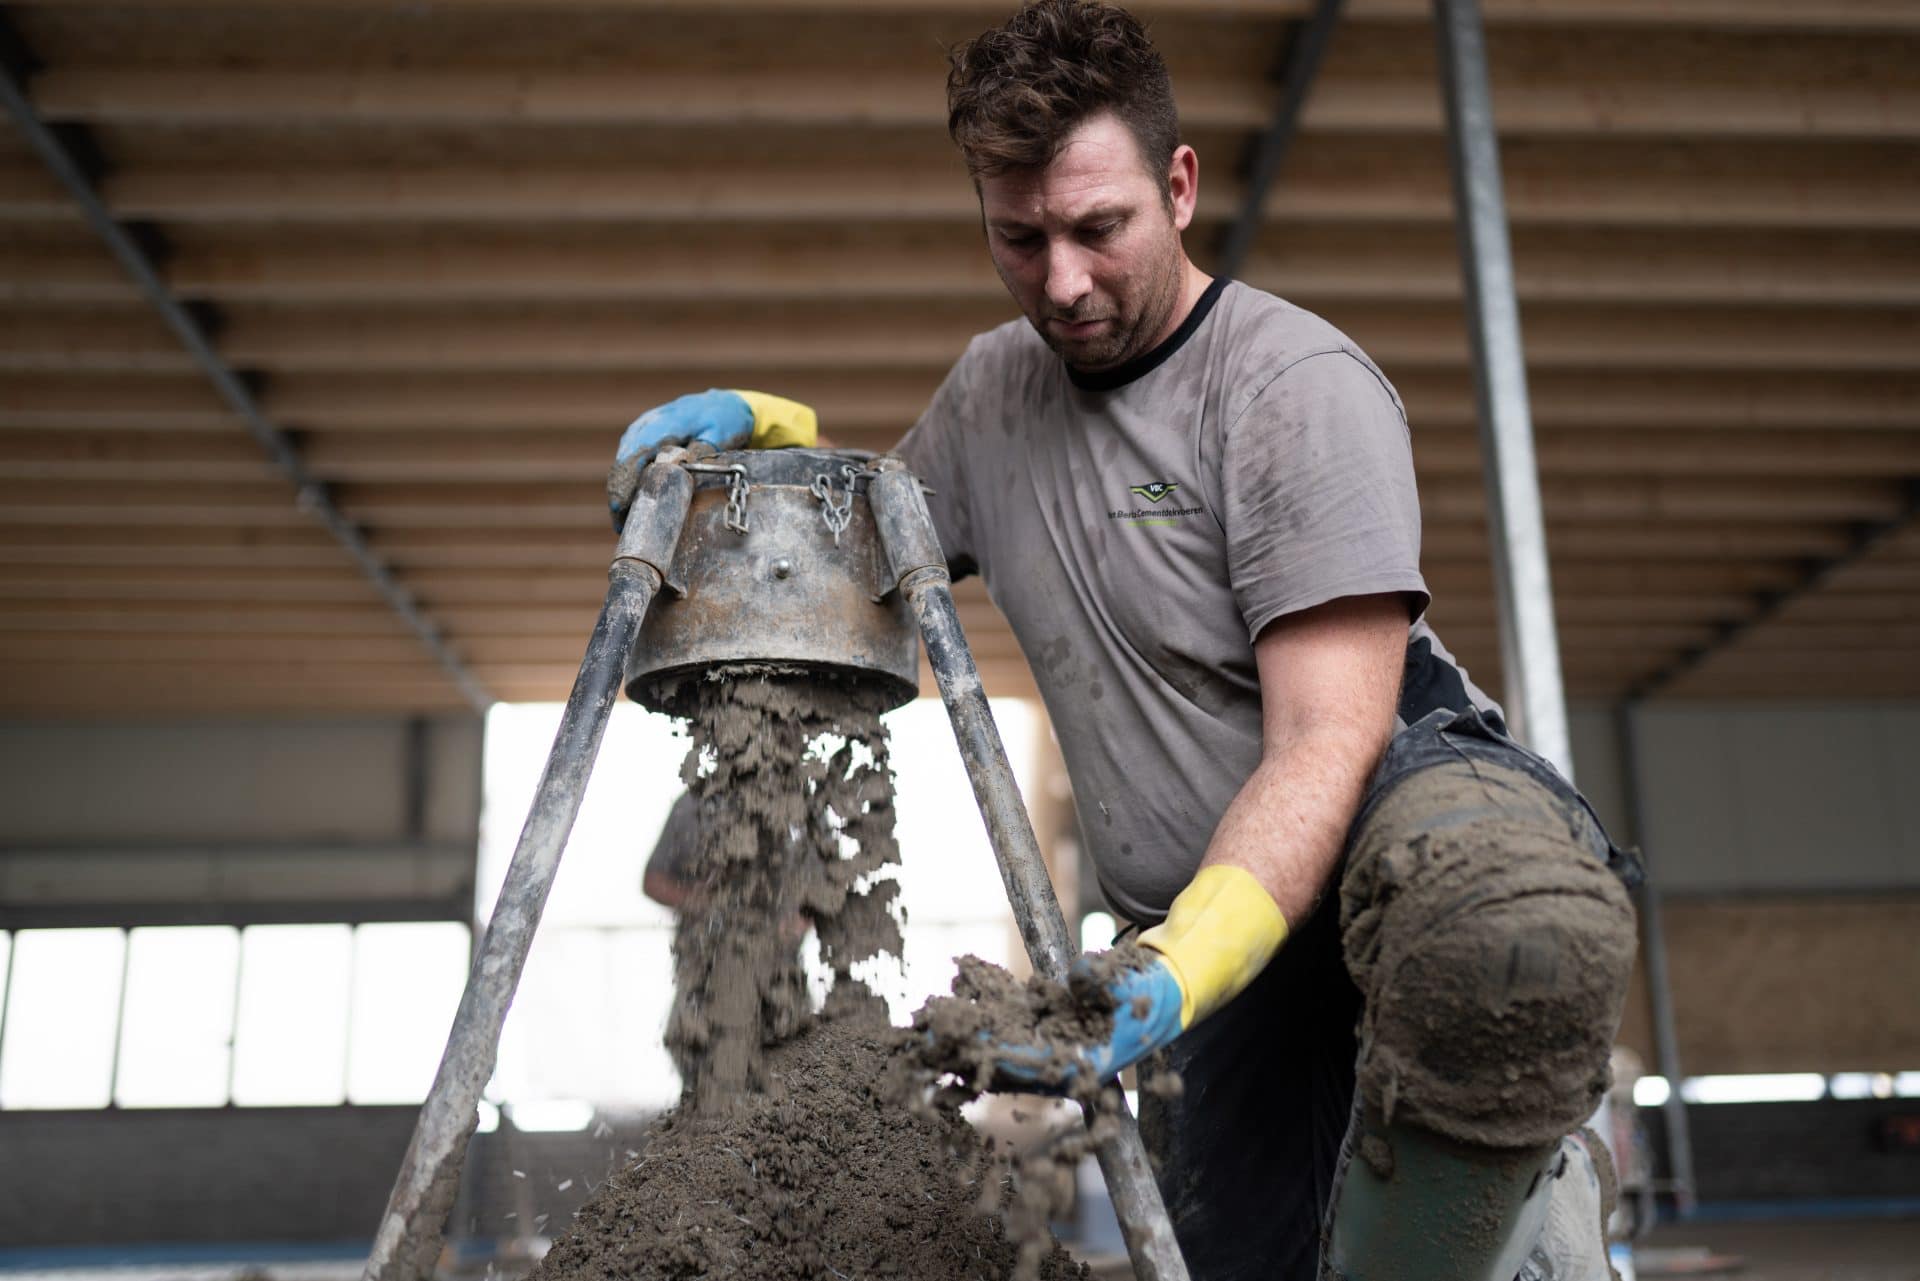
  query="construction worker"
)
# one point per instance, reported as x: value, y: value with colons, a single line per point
x: 1385, y: 946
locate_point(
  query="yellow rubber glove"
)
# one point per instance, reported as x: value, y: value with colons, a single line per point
x: 1219, y: 934
x: 779, y: 423
x: 721, y: 419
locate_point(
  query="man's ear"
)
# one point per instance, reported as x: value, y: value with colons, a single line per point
x: 1183, y: 185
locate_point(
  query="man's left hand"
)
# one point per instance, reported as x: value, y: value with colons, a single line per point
x: 1219, y: 934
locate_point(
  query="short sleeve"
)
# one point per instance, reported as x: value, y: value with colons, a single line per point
x: 1318, y: 492
x: 935, y: 451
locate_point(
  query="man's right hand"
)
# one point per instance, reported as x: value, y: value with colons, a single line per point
x: 1219, y: 935
x: 723, y: 419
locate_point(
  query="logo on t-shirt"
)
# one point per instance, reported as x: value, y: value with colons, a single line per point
x: 1155, y: 492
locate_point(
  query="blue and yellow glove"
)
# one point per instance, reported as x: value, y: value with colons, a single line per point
x: 722, y: 419
x: 1219, y: 934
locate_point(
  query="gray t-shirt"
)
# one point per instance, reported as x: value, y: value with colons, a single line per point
x: 1139, y: 528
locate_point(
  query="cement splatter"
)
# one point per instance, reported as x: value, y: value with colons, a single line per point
x: 1493, y: 948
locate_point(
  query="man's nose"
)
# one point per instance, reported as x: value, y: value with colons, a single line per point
x: 1067, y: 280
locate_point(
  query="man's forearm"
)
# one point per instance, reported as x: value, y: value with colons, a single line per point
x: 1288, y: 822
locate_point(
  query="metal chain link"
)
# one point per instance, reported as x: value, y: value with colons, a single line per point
x: 737, y: 491
x: 738, y: 488
x: 837, y: 515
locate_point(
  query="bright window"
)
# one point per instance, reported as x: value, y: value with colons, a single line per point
x: 407, y: 979
x: 290, y: 1041
x: 176, y: 1031
x: 63, y: 1004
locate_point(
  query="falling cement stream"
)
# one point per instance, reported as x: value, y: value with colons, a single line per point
x: 805, y: 1145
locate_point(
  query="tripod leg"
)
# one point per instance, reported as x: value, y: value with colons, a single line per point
x: 408, y: 1240
x: 920, y: 573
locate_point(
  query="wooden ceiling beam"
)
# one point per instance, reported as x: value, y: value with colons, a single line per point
x: 360, y: 662
x: 1734, y: 664
x: 1592, y: 639
x: 1679, y: 452
x: 770, y: 95
x: 1577, y: 546
x: 84, y: 691
x: 58, y: 264
x: 391, y: 505
x: 580, y: 454
x: 582, y: 581
x: 120, y: 690
x: 272, y: 621
x: 1646, y: 184
x: 1316, y: 265
x: 1846, y: 607
x: 1585, y: 542
x: 274, y: 546
x: 181, y: 584
x: 890, y: 400
x: 1596, y: 646
x: 881, y: 333
x: 31, y: 613
x: 1843, y: 15
x: 131, y: 455
x: 215, y: 648
x: 1817, y: 681
x: 1684, y: 500
x: 560, y: 455
x: 1731, y: 89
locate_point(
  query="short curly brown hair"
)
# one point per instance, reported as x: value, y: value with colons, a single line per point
x: 1014, y: 93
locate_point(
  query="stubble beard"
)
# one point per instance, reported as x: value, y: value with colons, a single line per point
x: 1127, y: 337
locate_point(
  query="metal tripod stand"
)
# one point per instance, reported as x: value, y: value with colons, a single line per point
x: 847, y: 603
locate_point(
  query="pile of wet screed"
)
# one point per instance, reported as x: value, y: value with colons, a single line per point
x: 812, y: 1144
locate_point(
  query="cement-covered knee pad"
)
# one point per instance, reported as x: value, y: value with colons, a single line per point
x: 1493, y: 949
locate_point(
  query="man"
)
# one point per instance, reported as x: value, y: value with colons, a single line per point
x: 1195, y: 505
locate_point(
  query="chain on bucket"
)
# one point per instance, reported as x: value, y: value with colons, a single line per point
x: 837, y: 514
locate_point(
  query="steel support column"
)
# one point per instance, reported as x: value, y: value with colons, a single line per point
x: 1529, y: 643
x: 1653, y: 952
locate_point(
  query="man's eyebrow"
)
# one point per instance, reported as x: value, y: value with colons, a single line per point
x: 1009, y: 224
x: 1092, y: 217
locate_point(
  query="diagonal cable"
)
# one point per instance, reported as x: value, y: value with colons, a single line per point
x: 1306, y: 49
x: 1866, y: 540
x: 310, y: 494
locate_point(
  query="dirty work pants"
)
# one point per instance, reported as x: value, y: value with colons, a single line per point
x: 1467, y: 977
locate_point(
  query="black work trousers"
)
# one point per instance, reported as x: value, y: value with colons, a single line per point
x: 1247, y: 1152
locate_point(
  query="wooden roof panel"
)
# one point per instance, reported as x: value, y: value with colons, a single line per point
x: 483, y: 222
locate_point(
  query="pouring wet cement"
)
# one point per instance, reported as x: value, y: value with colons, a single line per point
x: 806, y: 1144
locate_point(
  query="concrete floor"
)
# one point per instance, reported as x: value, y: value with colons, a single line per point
x: 1828, y: 1250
